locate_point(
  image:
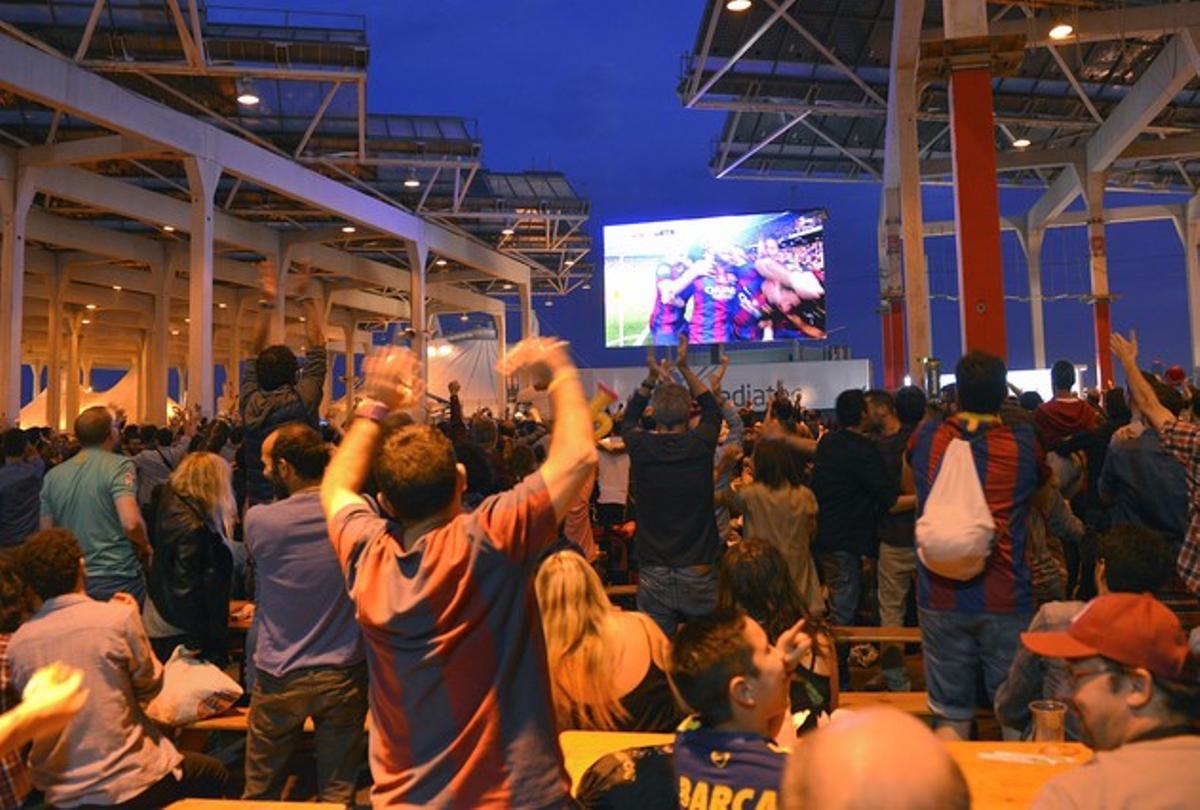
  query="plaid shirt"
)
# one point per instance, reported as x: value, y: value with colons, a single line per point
x: 1182, y: 440
x: 14, y: 775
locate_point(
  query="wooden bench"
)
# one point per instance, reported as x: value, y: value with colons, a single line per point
x: 243, y: 804
x: 885, y: 635
x: 234, y: 721
x: 620, y: 590
x: 914, y: 703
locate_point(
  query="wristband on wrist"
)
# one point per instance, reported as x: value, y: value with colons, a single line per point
x: 559, y: 379
x: 372, y: 409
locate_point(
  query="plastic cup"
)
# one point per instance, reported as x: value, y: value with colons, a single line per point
x: 1049, y: 720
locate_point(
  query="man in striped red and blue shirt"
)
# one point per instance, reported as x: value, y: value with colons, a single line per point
x: 974, y: 627
x: 460, y: 694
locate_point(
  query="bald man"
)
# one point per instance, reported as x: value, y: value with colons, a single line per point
x: 881, y: 759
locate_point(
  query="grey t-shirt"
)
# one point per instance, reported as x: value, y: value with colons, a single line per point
x: 305, y: 617
x: 80, y: 495
x: 1161, y: 774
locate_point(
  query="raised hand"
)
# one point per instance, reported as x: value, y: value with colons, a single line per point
x: 795, y: 643
x: 1125, y: 349
x: 51, y: 698
x: 715, y: 379
x: 455, y: 387
x: 681, y: 351
x: 393, y: 377
x: 541, y: 357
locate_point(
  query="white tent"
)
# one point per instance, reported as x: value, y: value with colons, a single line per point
x: 123, y: 395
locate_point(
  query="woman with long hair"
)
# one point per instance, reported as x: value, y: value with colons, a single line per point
x: 777, y: 507
x: 607, y: 667
x: 753, y: 576
x: 192, y: 566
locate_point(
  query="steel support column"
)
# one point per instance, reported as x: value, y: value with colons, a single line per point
x: 1189, y: 232
x: 1031, y: 242
x: 892, y: 293
x: 501, y: 351
x: 418, y: 257
x: 17, y: 186
x: 202, y: 186
x: 348, y: 356
x: 158, y: 368
x: 58, y: 279
x: 75, y: 325
x: 976, y: 200
x: 527, y: 321
x: 1098, y: 265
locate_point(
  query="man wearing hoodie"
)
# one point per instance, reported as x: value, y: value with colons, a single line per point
x: 1066, y: 414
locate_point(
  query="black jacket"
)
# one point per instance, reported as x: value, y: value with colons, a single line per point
x: 190, y: 575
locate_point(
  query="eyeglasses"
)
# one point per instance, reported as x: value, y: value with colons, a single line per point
x: 1078, y: 676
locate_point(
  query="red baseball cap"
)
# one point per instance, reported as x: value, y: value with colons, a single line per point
x: 1175, y: 375
x: 1132, y: 629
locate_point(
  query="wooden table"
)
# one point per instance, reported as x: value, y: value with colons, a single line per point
x: 238, y: 804
x: 994, y: 783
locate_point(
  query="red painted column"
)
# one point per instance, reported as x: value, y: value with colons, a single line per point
x: 977, y: 211
x: 894, y: 357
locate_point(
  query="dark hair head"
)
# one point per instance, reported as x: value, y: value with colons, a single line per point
x: 93, y: 426
x: 415, y: 470
x: 982, y: 382
x: 276, y: 366
x: 851, y: 407
x: 707, y: 653
x: 910, y: 405
x: 520, y: 461
x: 775, y: 465
x: 131, y: 432
x: 236, y: 435
x: 15, y: 442
x: 14, y: 598
x: 753, y: 576
x: 783, y: 410
x: 1167, y: 396
x: 49, y: 562
x: 1116, y: 407
x: 483, y: 431
x: 481, y: 478
x: 301, y: 447
x: 1136, y: 559
x: 1031, y: 400
x: 878, y: 398
x: 148, y: 434
x: 672, y: 405
x: 1062, y: 375
x: 165, y: 437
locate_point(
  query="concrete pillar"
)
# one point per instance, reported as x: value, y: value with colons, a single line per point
x: 501, y: 351
x: 75, y: 325
x: 526, y: 295
x: 1098, y: 264
x: 202, y: 185
x: 158, y: 364
x: 235, y: 346
x: 976, y: 200
x: 1189, y: 232
x: 56, y: 281
x: 891, y: 289
x: 1031, y: 242
x: 17, y: 186
x: 348, y: 356
x: 418, y: 254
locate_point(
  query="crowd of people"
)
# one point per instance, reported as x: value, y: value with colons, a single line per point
x: 446, y: 577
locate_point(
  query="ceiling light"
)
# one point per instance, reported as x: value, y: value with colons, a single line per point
x: 464, y: 317
x: 738, y: 5
x: 175, y: 332
x: 549, y: 302
x: 440, y: 262
x: 117, y: 287
x: 445, y: 350
x: 187, y: 320
x: 508, y: 286
x: 221, y: 305
x: 89, y: 306
x: 508, y: 230
x: 1022, y: 143
x: 1061, y: 31
x: 348, y: 229
x: 169, y: 228
x: 86, y: 321
x: 245, y: 93
x: 587, y: 286
x: 411, y: 181
x: 303, y: 319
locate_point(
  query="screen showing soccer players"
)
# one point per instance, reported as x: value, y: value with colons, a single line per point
x: 733, y: 279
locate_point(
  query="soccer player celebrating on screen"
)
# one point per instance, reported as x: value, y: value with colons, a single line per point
x: 751, y: 312
x: 712, y: 295
x: 666, y: 319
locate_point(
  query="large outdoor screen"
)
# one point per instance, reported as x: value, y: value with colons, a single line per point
x: 733, y: 279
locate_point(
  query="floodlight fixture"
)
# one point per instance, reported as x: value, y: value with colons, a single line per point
x: 1061, y: 30
x: 738, y: 5
x: 1022, y: 143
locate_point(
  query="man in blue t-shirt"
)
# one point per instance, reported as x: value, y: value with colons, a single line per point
x: 308, y: 654
x: 728, y: 673
x: 20, y: 484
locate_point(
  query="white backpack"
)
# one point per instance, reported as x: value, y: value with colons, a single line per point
x: 956, y: 531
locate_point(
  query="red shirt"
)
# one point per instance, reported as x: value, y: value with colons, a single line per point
x: 460, y: 694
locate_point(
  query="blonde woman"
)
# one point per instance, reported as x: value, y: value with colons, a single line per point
x: 191, y: 569
x: 607, y: 667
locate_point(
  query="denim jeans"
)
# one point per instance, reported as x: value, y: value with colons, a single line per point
x: 103, y: 587
x: 958, y: 647
x: 842, y: 571
x: 336, y: 700
x: 670, y: 596
x: 897, y: 565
